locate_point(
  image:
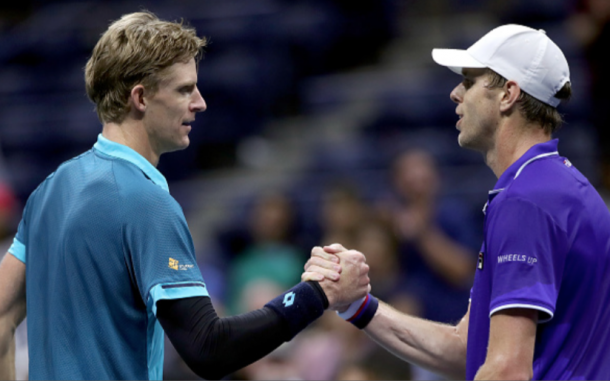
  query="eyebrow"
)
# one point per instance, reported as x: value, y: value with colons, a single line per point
x: 187, y: 85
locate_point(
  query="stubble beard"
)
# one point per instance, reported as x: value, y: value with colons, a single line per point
x: 472, y: 141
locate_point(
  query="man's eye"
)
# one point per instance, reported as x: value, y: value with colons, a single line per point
x: 467, y: 83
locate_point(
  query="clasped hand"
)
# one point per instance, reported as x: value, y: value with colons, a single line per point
x: 342, y: 273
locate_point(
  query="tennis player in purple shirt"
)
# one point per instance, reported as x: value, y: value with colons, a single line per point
x: 540, y: 304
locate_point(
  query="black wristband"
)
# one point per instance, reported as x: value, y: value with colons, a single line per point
x: 320, y: 290
x: 300, y: 306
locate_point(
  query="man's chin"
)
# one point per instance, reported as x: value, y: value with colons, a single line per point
x: 462, y: 141
x: 179, y: 146
x: 467, y: 143
x: 471, y: 144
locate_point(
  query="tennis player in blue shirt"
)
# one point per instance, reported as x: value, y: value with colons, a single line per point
x: 540, y: 304
x: 103, y: 260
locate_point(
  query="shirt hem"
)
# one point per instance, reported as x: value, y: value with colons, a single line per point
x: 526, y: 306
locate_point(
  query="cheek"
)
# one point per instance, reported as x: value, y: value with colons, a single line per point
x: 480, y: 112
x: 489, y: 113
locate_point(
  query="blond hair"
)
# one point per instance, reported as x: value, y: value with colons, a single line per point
x: 135, y: 50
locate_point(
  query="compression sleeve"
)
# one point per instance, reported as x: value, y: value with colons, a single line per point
x: 214, y: 347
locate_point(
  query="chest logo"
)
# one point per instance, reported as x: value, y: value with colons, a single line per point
x: 480, y: 261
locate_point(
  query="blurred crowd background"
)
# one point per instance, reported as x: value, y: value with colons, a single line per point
x: 327, y: 122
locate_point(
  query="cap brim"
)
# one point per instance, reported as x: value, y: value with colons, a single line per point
x: 455, y: 59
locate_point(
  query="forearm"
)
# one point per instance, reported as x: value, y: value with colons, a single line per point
x: 12, y: 311
x: 214, y: 347
x: 434, y: 346
x: 7, y: 351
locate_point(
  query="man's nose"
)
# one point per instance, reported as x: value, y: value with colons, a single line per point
x: 456, y: 93
x: 199, y: 104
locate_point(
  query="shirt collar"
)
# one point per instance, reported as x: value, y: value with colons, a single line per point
x: 121, y: 151
x: 536, y: 152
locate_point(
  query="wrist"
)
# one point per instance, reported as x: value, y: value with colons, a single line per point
x: 300, y: 306
x: 361, y: 312
x: 351, y: 310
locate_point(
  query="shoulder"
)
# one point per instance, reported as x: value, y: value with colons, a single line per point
x: 551, y: 186
x: 67, y: 168
x: 139, y: 194
x: 547, y: 182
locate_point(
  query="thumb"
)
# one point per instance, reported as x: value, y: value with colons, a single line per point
x: 334, y: 248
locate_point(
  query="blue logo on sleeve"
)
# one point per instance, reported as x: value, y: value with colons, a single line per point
x: 288, y: 299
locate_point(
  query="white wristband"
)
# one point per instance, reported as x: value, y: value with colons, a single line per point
x: 352, y: 309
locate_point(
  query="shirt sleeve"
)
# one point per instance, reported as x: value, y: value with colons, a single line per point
x: 528, y: 252
x: 160, y: 249
x: 17, y: 249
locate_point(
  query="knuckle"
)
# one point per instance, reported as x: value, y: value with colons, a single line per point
x: 312, y: 269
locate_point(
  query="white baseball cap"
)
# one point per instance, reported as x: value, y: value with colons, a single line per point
x: 524, y: 55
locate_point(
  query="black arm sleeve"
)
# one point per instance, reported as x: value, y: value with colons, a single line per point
x: 213, y: 347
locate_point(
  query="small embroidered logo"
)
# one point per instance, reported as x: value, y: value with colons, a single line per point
x: 173, y: 264
x: 288, y: 299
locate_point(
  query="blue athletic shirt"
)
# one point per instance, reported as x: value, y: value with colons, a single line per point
x: 103, y: 241
x: 547, y: 248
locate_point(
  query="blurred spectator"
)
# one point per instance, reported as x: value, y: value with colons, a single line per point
x: 591, y: 25
x: 8, y: 204
x: 437, y: 251
x: 270, y: 256
x: 339, y: 350
x: 378, y: 241
x: 343, y: 211
x: 435, y: 243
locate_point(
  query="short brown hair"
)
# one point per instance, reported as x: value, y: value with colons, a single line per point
x: 134, y: 50
x: 534, y: 110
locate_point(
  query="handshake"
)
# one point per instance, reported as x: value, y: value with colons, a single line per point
x: 342, y: 274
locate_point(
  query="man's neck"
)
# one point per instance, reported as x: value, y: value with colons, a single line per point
x: 133, y: 135
x: 513, y: 140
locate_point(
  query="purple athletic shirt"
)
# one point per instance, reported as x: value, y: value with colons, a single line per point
x: 547, y: 247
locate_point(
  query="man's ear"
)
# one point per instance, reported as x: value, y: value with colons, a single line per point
x: 509, y: 96
x: 137, y: 98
